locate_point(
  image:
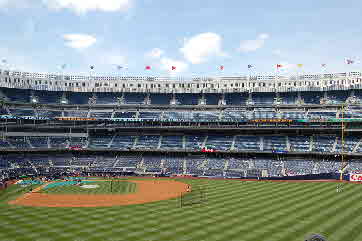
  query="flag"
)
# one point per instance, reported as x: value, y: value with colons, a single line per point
x: 349, y: 61
x: 173, y: 68
x: 3, y: 61
x: 63, y: 66
x: 300, y: 65
x: 119, y: 67
x: 324, y: 65
x: 148, y: 67
x: 250, y: 66
x: 221, y: 67
x: 279, y: 66
x: 91, y: 67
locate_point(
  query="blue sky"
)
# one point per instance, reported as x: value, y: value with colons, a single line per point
x: 196, y: 36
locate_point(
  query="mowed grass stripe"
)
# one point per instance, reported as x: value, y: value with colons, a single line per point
x: 218, y: 221
x: 291, y: 215
x: 324, y: 215
x: 261, y: 209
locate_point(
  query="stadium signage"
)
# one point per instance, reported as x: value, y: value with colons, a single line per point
x: 76, y: 119
x: 355, y: 177
x: 271, y: 121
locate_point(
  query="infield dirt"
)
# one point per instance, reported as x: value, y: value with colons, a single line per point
x: 147, y: 191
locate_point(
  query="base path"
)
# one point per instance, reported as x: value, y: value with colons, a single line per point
x: 147, y: 191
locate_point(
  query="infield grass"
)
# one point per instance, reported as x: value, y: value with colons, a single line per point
x: 101, y: 187
x: 235, y: 210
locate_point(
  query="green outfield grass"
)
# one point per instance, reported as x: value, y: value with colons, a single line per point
x: 103, y: 187
x: 234, y: 210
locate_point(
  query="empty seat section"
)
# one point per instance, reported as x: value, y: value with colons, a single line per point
x: 299, y: 143
x: 78, y: 141
x: 101, y: 114
x: 48, y: 97
x: 263, y: 98
x: 171, y: 142
x: 275, y: 143
x: 219, y: 142
x: 248, y: 143
x: 104, y: 98
x: 134, y: 98
x: 264, y: 115
x: 349, y: 143
x: 289, y: 98
x: 234, y: 115
x: 123, y: 142
x: 312, y: 97
x: 292, y: 115
x: 212, y: 99
x: 338, y: 97
x: 59, y: 142
x: 323, y: 143
x: 204, y: 116
x: 236, y: 98
x: 17, y: 95
x: 149, y: 115
x: 148, y: 142
x: 4, y: 144
x: 22, y: 112
x: 72, y: 113
x: 48, y: 113
x: 100, y: 141
x: 75, y: 98
x: 187, y: 99
x: 194, y: 142
x: 38, y: 142
x: 18, y: 142
x: 181, y: 116
x: 125, y: 115
x: 322, y: 114
x: 160, y: 99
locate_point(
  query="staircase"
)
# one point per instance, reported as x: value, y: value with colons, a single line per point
x: 357, y: 145
x: 288, y: 143
x: 204, y: 142
x: 311, y: 143
x: 135, y: 142
x: 184, y: 167
x: 183, y: 142
x: 335, y: 144
x: 233, y: 144
x: 261, y: 143
x: 111, y: 142
x: 159, y: 142
x: 28, y: 141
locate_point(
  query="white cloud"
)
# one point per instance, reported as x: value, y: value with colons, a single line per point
x: 277, y: 52
x: 79, y: 41
x: 202, y: 46
x: 167, y: 63
x: 7, y: 4
x: 155, y: 53
x: 84, y: 6
x: 253, y: 45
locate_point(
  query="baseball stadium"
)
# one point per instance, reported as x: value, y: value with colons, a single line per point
x: 202, y: 159
x: 154, y: 120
